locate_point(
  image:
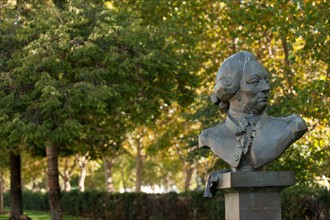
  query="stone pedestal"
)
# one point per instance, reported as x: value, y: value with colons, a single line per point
x: 254, y: 194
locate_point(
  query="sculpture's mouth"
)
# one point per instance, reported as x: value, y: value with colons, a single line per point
x: 263, y: 99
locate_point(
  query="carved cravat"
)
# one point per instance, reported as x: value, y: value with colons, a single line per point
x: 245, y: 131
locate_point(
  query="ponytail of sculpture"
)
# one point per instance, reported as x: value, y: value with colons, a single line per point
x: 224, y: 105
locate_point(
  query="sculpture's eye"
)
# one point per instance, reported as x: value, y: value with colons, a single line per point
x: 254, y: 81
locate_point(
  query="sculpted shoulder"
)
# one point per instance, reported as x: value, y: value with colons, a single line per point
x: 274, y: 136
x: 203, y: 138
x: 223, y: 143
x: 296, y: 125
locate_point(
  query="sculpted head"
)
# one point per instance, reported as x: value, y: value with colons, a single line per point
x: 241, y: 85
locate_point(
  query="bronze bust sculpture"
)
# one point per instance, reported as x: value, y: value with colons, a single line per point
x: 248, y: 139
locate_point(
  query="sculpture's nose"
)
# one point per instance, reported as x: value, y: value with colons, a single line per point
x: 265, y: 86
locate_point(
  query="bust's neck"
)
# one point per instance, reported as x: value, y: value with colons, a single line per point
x: 238, y: 115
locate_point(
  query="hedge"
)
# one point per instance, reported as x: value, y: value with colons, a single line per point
x: 298, y: 202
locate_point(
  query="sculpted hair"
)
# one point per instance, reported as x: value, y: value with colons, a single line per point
x: 229, y: 77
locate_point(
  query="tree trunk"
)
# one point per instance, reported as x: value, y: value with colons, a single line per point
x: 56, y: 210
x: 67, y: 184
x: 16, y: 203
x: 288, y: 70
x: 189, y: 173
x: 139, y: 168
x: 108, y: 164
x: 82, y: 162
x: 83, y: 173
x: 66, y: 176
x: 66, y: 180
x: 123, y: 179
x: 1, y: 192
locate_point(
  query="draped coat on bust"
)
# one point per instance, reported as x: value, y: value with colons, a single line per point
x: 272, y: 137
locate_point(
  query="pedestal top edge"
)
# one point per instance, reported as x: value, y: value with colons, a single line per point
x: 256, y: 179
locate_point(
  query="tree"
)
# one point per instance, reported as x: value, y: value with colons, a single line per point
x: 108, y: 167
x: 72, y: 72
x: 3, y: 164
x: 7, y: 46
x: 73, y: 166
x: 288, y: 37
x: 82, y: 163
x: 16, y: 209
x: 1, y: 193
x: 69, y: 166
x: 83, y: 77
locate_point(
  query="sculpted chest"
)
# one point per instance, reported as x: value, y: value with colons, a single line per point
x: 271, y: 139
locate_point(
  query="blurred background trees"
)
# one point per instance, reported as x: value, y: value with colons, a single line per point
x: 119, y: 89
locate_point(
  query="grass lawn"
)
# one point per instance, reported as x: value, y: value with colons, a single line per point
x: 37, y: 215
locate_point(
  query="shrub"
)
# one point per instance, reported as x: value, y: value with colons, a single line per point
x: 298, y: 202
x: 301, y: 202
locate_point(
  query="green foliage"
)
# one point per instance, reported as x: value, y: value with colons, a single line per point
x: 298, y: 202
x: 31, y: 200
x: 85, y: 75
x: 86, y: 70
x: 288, y: 39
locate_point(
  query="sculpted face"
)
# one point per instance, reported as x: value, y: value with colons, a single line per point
x: 252, y: 96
